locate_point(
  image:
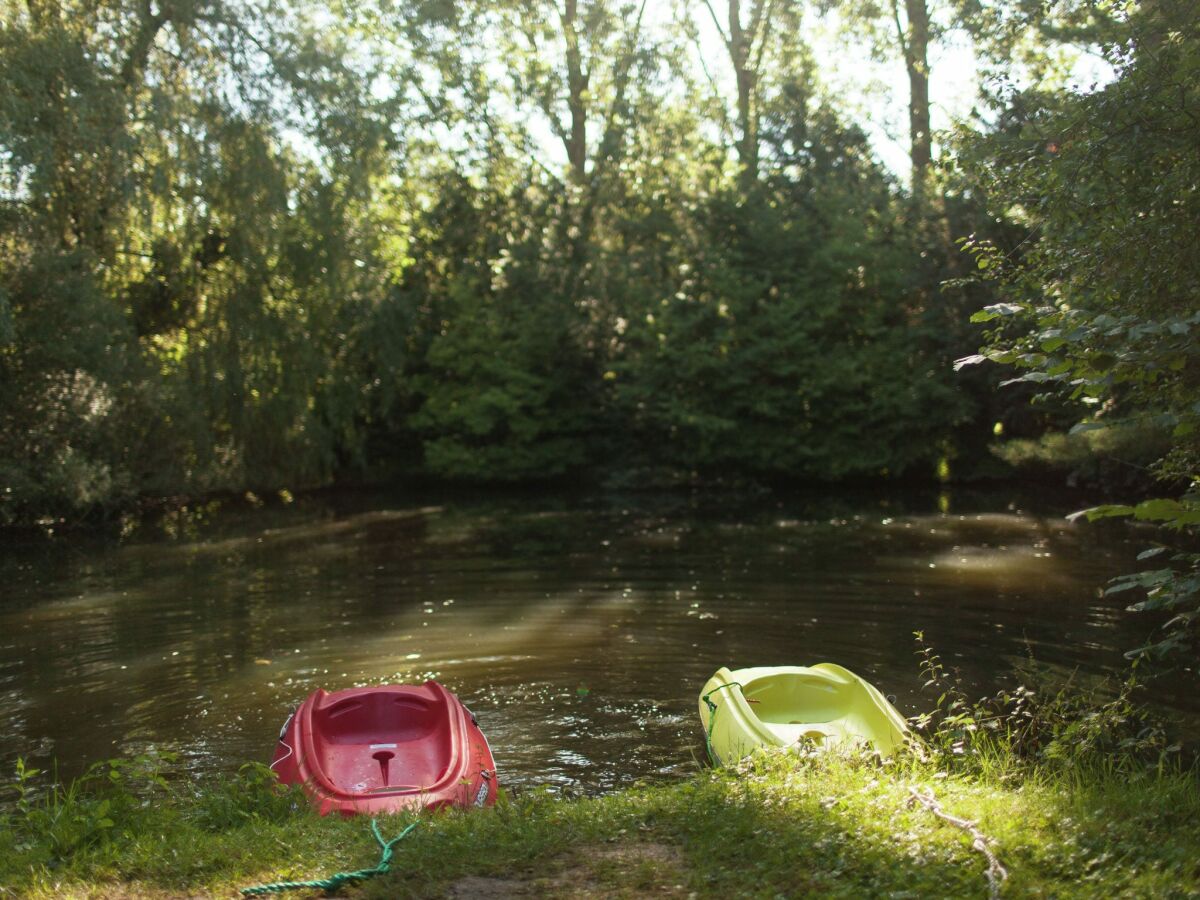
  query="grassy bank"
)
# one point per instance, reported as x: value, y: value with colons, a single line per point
x: 780, y: 824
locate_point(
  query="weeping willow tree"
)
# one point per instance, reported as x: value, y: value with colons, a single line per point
x: 188, y: 247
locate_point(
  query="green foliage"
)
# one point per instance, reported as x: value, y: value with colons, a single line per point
x: 63, y: 819
x: 1043, y: 723
x: 1115, y: 458
x: 252, y: 794
x: 183, y: 293
x: 253, y: 247
x: 792, y: 341
x: 700, y: 328
x: 501, y: 378
x: 1173, y: 591
x: 1102, y: 305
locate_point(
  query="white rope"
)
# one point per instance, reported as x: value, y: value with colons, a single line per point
x: 282, y: 732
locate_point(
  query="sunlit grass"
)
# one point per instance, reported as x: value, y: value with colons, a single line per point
x: 777, y: 824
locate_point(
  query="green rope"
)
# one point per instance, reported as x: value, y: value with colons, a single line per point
x: 334, y: 882
x: 712, y: 718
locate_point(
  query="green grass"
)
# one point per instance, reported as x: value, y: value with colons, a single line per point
x: 778, y: 825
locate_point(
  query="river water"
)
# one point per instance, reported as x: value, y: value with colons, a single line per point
x: 579, y: 629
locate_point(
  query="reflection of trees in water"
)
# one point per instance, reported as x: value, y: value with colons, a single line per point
x: 635, y: 600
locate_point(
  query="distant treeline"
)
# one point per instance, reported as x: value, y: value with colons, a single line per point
x: 260, y: 246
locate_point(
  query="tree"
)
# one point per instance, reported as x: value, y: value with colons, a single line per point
x: 1103, y: 302
x: 747, y: 37
x: 582, y: 60
x: 165, y: 324
x: 501, y: 387
x: 788, y: 348
x: 913, y: 34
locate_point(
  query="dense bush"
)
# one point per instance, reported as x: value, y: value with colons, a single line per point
x: 1103, y: 305
x: 1045, y: 723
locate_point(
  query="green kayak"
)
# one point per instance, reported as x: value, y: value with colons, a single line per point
x: 777, y: 706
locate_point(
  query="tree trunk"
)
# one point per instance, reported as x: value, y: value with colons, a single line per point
x: 916, y: 60
x: 747, y: 82
x: 575, y: 140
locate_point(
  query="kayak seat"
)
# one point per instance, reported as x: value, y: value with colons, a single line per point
x: 792, y: 732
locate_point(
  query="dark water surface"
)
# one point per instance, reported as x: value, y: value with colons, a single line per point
x: 579, y: 630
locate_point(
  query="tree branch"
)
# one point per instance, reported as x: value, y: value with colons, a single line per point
x: 901, y: 31
x: 721, y: 31
x: 152, y: 22
x: 766, y: 32
x: 544, y: 100
x: 609, y: 137
x: 996, y: 873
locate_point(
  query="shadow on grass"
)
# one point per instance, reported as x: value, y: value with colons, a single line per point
x: 777, y: 826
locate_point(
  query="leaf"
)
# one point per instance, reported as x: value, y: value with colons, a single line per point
x: 1081, y: 427
x: 1152, y: 552
x: 996, y: 310
x: 1035, y: 377
x: 1170, y: 511
x: 1120, y: 588
x: 972, y: 360
x: 1107, y: 511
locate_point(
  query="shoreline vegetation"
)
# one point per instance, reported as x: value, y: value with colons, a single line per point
x: 1038, y: 791
x: 1035, y: 476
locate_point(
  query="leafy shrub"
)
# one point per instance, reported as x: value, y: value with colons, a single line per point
x: 1117, y: 457
x: 1041, y: 721
x: 253, y: 794
x: 86, y: 811
x: 1173, y: 589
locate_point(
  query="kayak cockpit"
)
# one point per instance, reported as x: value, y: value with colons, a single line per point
x: 796, y: 706
x: 377, y: 750
x: 379, y: 742
x: 779, y: 706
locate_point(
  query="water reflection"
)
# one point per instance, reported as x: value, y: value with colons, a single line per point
x: 578, y: 630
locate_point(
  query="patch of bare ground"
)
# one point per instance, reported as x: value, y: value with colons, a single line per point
x: 603, y: 871
x: 474, y: 887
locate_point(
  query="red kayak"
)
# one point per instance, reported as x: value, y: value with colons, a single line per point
x: 385, y: 749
